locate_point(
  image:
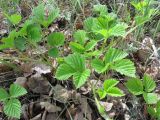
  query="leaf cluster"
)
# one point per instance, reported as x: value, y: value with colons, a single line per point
x: 12, y: 106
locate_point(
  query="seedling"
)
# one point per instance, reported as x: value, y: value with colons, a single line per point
x: 143, y: 87
x: 11, y: 104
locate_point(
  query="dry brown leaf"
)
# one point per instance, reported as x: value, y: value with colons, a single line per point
x: 22, y: 81
x: 50, y: 107
x: 38, y: 84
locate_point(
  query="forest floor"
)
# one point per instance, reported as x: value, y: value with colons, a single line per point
x: 51, y: 99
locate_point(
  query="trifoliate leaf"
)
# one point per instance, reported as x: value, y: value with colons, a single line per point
x: 109, y: 83
x: 139, y: 5
x: 125, y: 67
x: 80, y: 78
x: 64, y: 71
x: 80, y: 36
x: 16, y: 91
x: 40, y: 17
x: 3, y: 94
x: 113, y: 55
x: 135, y: 86
x: 115, y: 92
x: 149, y: 83
x: 54, y: 52
x: 34, y: 32
x: 56, y: 39
x: 150, y: 98
x: 13, y: 108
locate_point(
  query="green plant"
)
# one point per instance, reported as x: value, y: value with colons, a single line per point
x: 74, y: 65
x: 12, y: 106
x: 143, y: 87
x: 89, y: 52
x: 110, y: 89
x: 40, y: 17
x: 14, y: 19
x: 31, y: 32
x: 82, y: 45
x: 154, y: 111
x: 86, y: 57
x: 55, y: 40
x: 106, y: 24
x: 144, y: 12
x: 114, y: 60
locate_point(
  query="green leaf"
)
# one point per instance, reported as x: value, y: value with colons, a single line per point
x: 80, y: 78
x: 40, y: 17
x: 114, y: 55
x: 99, y: 66
x: 135, y: 86
x: 115, y: 92
x: 23, y: 30
x: 76, y: 61
x: 14, y: 19
x: 90, y: 23
x: 102, y: 23
x: 100, y: 107
x: 139, y: 5
x: 16, y: 91
x: 9, y: 41
x: 80, y: 36
x: 20, y: 43
x: 53, y: 14
x: 54, y: 52
x: 158, y: 109
x: 106, y: 33
x: 3, y: 94
x: 102, y: 93
x: 94, y: 53
x: 64, y: 71
x: 149, y: 83
x: 109, y: 83
x: 56, y: 39
x: 13, y: 108
x: 90, y: 45
x: 38, y: 13
x: 151, y: 111
x: 102, y: 9
x: 76, y: 47
x: 125, y: 67
x: 34, y: 32
x: 141, y: 20
x: 119, y: 29
x: 150, y: 98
